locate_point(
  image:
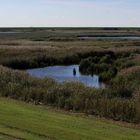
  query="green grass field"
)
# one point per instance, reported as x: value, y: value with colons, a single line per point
x: 19, y: 120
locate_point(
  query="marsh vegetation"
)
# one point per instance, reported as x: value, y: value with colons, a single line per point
x: 116, y: 61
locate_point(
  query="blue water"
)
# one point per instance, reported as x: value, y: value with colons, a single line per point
x: 65, y: 73
x: 114, y: 38
x: 12, y: 33
x: 8, y: 33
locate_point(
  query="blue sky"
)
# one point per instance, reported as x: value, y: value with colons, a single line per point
x: 90, y: 13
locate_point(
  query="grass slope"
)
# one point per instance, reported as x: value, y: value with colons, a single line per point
x: 19, y: 120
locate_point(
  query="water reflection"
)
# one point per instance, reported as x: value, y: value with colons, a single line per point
x: 67, y: 73
x: 74, y: 72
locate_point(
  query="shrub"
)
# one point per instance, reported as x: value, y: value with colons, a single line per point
x: 114, y: 102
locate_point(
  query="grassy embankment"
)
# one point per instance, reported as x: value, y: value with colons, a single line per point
x: 19, y: 120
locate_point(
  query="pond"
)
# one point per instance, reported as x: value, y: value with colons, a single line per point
x: 67, y: 73
x: 111, y: 37
x: 12, y: 33
x: 9, y: 33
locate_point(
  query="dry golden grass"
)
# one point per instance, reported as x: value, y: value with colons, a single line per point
x: 131, y: 70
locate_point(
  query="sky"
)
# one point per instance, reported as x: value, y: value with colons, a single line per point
x: 69, y: 13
